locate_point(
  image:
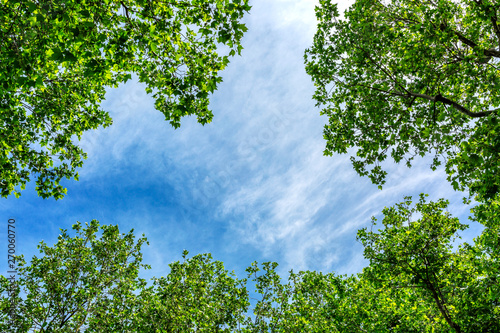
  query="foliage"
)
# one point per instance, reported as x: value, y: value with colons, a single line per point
x: 81, y: 281
x: 418, y: 280
x: 458, y: 289
x: 58, y: 57
x: 410, y: 78
x: 196, y: 295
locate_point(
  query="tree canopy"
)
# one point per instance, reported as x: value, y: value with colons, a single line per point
x: 58, y: 57
x: 396, y: 77
x: 406, y: 78
x: 417, y: 280
x: 82, y: 281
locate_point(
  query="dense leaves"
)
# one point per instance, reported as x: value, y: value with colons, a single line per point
x: 459, y: 288
x: 418, y: 280
x: 58, y: 57
x: 406, y: 78
x: 198, y: 295
x: 83, y: 281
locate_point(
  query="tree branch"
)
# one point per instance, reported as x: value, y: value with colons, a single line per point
x: 437, y: 98
x: 458, y: 107
x: 442, y: 308
x: 495, y: 27
x: 467, y: 41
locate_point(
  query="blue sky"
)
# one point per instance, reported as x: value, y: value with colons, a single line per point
x: 252, y: 185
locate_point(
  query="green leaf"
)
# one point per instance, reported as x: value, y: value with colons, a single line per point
x: 76, y: 51
x: 406, y: 70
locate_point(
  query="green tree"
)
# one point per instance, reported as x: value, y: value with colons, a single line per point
x: 307, y: 302
x: 90, y: 283
x: 58, y: 57
x: 458, y: 288
x: 81, y: 282
x: 411, y: 78
x: 197, y: 295
x: 418, y: 280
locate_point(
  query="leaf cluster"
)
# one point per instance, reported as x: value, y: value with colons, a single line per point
x: 404, y: 78
x: 58, y: 57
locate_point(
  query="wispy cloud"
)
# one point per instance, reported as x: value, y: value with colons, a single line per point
x: 252, y: 185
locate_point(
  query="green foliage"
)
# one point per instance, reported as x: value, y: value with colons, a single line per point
x: 197, y: 295
x: 405, y: 78
x: 457, y: 288
x: 81, y: 281
x: 58, y: 57
x: 418, y: 280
